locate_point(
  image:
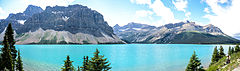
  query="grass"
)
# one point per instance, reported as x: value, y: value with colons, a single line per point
x: 220, y: 65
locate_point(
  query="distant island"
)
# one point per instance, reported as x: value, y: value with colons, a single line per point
x: 77, y: 24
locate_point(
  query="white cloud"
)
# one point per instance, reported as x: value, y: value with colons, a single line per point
x: 180, y: 4
x: 206, y: 10
x: 158, y: 9
x: 187, y: 15
x: 226, y: 18
x: 1, y: 13
x: 223, y: 1
x: 141, y: 1
x: 20, y: 5
x: 143, y: 16
x: 164, y: 12
x: 143, y: 13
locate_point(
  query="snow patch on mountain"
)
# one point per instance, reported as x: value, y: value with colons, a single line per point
x: 57, y: 12
x: 65, y: 18
x: 21, y: 21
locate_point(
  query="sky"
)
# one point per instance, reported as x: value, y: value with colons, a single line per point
x: 221, y: 13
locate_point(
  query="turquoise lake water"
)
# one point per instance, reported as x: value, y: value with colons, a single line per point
x: 123, y: 57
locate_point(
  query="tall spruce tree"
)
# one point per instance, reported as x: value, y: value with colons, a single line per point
x: 7, y: 61
x: 221, y: 52
x: 19, y: 65
x: 99, y: 63
x: 229, y: 51
x: 10, y: 37
x: 237, y: 48
x: 78, y: 69
x: 233, y: 50
x: 215, y: 56
x: 1, y: 59
x: 85, y: 66
x: 68, y: 65
x: 194, y: 64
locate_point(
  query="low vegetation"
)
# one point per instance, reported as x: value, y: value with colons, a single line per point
x: 219, y: 62
x: 229, y: 62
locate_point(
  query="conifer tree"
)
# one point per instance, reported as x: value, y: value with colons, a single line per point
x: 237, y: 48
x: 68, y: 65
x: 7, y: 61
x: 99, y: 63
x: 194, y: 64
x: 215, y: 56
x: 85, y: 66
x: 10, y: 37
x: 1, y: 66
x: 78, y: 69
x: 233, y: 50
x: 229, y: 51
x: 19, y: 65
x: 221, y: 52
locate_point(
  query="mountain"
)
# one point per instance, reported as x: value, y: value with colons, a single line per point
x: 74, y: 24
x: 31, y: 9
x: 173, y: 33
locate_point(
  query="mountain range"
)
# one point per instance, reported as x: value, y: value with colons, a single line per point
x: 74, y: 24
x: 77, y: 24
x: 173, y: 33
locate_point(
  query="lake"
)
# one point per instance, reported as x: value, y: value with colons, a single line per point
x: 123, y: 57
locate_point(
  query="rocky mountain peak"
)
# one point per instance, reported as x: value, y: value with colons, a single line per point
x: 213, y: 29
x: 182, y: 32
x: 29, y: 11
x: 136, y: 25
x: 116, y: 26
x: 60, y: 24
x: 32, y: 9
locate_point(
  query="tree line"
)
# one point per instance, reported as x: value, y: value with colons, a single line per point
x: 96, y: 63
x: 195, y: 64
x: 10, y: 59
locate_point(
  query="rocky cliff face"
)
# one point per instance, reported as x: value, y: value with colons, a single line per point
x: 58, y: 24
x: 179, y: 33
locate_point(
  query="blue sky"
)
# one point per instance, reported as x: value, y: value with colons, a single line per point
x: 221, y: 13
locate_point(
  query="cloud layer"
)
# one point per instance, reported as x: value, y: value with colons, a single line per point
x: 225, y: 17
x: 157, y: 9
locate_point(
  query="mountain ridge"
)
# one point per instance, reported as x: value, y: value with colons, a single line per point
x: 74, y: 24
x: 173, y: 33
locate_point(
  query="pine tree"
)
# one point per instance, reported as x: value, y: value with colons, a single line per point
x: 7, y: 61
x: 237, y: 49
x: 1, y: 65
x: 215, y: 56
x: 229, y: 51
x: 194, y: 64
x: 233, y: 50
x: 99, y: 63
x: 68, y: 65
x: 221, y: 52
x: 78, y: 69
x: 85, y: 66
x: 10, y: 37
x: 19, y: 65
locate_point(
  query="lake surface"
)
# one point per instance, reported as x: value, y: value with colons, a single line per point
x: 123, y: 57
